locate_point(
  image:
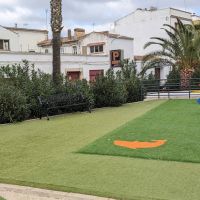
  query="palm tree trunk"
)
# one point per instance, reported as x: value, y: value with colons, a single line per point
x: 185, y: 75
x: 56, y: 23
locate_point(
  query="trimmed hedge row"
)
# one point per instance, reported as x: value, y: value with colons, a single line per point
x: 21, y: 85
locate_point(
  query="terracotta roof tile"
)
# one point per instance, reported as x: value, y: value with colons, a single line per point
x: 65, y: 39
x: 25, y: 29
x: 98, y: 43
x: 141, y: 58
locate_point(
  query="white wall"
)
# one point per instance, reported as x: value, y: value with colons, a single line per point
x: 125, y: 44
x: 95, y: 38
x: 12, y: 37
x: 44, y: 61
x: 28, y: 40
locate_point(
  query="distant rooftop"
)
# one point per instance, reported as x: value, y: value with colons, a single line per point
x: 66, y: 40
x: 25, y: 29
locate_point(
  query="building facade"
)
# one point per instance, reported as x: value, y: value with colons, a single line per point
x: 9, y: 40
x: 144, y: 24
x: 93, y: 45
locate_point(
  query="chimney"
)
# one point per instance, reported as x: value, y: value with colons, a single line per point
x: 15, y: 25
x: 69, y: 34
x: 153, y: 8
x: 78, y: 32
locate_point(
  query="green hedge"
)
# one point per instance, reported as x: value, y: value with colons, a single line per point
x: 20, y: 86
x: 13, y: 104
x: 108, y: 90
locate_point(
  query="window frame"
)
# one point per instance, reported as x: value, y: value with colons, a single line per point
x: 4, y: 41
x: 96, y: 47
x: 74, y: 50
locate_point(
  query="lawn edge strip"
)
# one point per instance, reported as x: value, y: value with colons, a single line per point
x: 72, y: 189
x: 135, y: 157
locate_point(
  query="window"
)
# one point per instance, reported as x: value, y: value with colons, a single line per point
x: 4, y: 44
x: 96, y: 49
x: 176, y: 25
x: 74, y: 49
x: 61, y: 50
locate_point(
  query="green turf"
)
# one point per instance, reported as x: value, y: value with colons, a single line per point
x: 2, y: 198
x: 40, y: 154
x: 177, y: 121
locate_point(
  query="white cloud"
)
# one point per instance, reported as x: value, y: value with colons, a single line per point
x: 81, y: 13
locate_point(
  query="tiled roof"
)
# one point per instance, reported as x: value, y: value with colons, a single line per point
x: 97, y: 43
x: 66, y: 40
x: 9, y: 30
x: 25, y: 29
x: 138, y: 57
x: 141, y: 58
x: 116, y: 35
x: 45, y: 43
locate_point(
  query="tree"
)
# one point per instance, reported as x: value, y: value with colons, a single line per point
x: 182, y: 49
x: 56, y: 23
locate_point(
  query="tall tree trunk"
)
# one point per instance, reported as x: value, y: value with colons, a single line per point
x: 185, y: 74
x: 56, y: 23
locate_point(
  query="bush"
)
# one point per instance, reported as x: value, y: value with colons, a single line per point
x: 195, y: 82
x: 13, y: 104
x: 108, y: 90
x: 32, y: 83
x: 173, y: 74
x: 131, y: 80
x: 78, y: 86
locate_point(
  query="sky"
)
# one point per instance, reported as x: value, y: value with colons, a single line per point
x: 81, y: 13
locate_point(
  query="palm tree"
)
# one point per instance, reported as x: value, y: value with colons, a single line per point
x: 56, y: 23
x: 182, y: 49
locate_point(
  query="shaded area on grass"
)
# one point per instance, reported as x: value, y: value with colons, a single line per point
x: 176, y: 121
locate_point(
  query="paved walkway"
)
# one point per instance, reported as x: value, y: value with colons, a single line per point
x: 15, y: 192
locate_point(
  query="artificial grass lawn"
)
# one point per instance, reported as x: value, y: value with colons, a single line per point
x: 40, y: 154
x: 1, y: 198
x: 177, y: 121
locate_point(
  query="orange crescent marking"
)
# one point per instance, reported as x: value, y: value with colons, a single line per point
x: 137, y: 144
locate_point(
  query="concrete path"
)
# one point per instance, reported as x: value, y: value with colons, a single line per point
x: 14, y: 192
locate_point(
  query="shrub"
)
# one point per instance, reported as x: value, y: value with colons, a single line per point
x: 77, y: 86
x: 108, y: 90
x: 195, y: 82
x: 32, y: 83
x: 173, y: 74
x: 13, y: 104
x: 131, y: 80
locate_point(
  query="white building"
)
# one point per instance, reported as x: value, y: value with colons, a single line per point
x: 96, y: 44
x: 9, y: 40
x: 28, y: 38
x: 144, y: 24
x: 195, y: 17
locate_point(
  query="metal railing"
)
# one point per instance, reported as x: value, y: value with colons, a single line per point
x: 170, y: 87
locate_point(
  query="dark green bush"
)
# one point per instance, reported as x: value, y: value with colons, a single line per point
x: 131, y: 80
x: 195, y: 82
x: 13, y: 104
x: 32, y: 83
x: 173, y: 84
x: 108, y: 90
